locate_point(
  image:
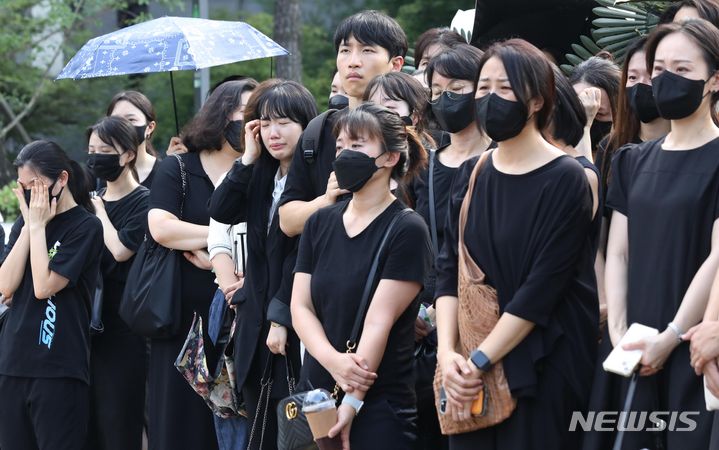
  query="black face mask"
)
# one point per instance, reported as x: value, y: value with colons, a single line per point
x: 641, y: 100
x: 105, y: 167
x: 233, y: 133
x: 677, y: 97
x: 140, y: 130
x: 353, y: 169
x: 28, y: 194
x: 453, y: 113
x: 598, y: 131
x: 500, y: 118
x: 338, y: 101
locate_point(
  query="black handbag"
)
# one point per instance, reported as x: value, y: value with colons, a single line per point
x: 151, y: 301
x: 293, y: 431
x: 295, y: 434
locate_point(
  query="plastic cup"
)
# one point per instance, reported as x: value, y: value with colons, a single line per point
x: 321, y: 412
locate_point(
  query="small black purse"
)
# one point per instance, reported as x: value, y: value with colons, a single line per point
x: 151, y: 301
x: 293, y: 431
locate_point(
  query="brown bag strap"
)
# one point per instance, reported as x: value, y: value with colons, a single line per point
x: 466, y: 263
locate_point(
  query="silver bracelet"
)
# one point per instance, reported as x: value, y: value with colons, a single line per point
x: 672, y: 326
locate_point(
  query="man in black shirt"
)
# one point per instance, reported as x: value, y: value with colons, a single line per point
x: 368, y: 44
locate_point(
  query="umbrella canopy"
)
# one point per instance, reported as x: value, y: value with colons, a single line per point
x: 168, y: 44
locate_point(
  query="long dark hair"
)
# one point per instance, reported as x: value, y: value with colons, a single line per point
x: 120, y: 134
x: 385, y: 125
x: 206, y: 131
x: 626, y: 124
x: 141, y: 102
x: 50, y: 160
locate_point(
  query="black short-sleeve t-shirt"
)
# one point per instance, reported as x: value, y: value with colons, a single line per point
x: 129, y: 217
x: 50, y: 338
x: 671, y: 201
x: 339, y: 266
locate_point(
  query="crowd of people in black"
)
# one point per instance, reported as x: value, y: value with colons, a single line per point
x: 518, y: 220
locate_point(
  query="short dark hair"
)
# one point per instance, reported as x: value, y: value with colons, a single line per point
x: 117, y: 132
x: 373, y: 28
x: 701, y: 32
x: 206, y: 130
x: 442, y: 36
x: 602, y: 73
x: 402, y: 87
x: 276, y: 98
x: 141, y: 102
x: 462, y: 62
x: 385, y: 125
x: 529, y: 72
x: 569, y: 118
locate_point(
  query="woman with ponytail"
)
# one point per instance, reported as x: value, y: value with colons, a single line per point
x: 336, y: 252
x: 50, y: 273
x: 117, y: 392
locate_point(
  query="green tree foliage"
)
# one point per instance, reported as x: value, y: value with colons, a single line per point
x: 64, y: 109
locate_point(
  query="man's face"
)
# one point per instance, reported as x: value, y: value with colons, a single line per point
x: 358, y: 63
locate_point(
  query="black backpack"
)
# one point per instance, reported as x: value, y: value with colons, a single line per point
x: 312, y: 136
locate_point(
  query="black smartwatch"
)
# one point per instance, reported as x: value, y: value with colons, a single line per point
x: 480, y: 360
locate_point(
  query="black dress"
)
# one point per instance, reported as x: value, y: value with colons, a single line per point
x: 530, y: 234
x: 118, y: 358
x: 339, y: 266
x: 178, y: 417
x: 245, y: 195
x: 671, y: 201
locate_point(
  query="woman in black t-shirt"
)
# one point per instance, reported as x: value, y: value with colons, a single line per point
x: 50, y: 273
x: 527, y: 229
x: 336, y: 251
x: 117, y: 389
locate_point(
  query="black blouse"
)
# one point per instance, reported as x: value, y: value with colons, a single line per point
x: 339, y: 266
x: 671, y: 200
x: 530, y: 234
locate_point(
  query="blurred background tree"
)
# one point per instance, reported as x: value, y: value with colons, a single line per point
x: 33, y: 106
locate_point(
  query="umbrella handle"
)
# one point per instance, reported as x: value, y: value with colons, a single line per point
x: 174, y: 105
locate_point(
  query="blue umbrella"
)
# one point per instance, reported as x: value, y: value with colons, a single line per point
x: 169, y: 44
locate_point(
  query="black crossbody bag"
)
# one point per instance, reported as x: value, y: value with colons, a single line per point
x: 293, y: 431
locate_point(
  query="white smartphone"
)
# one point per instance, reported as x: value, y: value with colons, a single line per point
x: 624, y: 362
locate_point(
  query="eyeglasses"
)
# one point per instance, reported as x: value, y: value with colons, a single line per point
x: 450, y: 95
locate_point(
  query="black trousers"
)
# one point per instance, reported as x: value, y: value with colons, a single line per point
x: 43, y: 413
x: 118, y: 366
